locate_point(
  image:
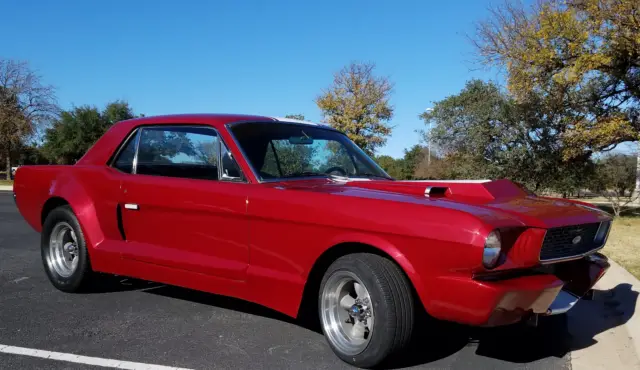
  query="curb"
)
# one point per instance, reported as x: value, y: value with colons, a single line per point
x: 606, y: 330
x: 6, y: 188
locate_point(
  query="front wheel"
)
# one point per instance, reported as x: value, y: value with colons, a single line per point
x: 64, y: 251
x: 366, y: 309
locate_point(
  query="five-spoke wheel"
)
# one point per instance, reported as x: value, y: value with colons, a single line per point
x: 347, y: 312
x: 366, y: 308
x: 63, y: 249
x: 64, y: 252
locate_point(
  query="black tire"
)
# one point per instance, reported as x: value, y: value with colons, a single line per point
x: 79, y: 279
x: 393, y: 304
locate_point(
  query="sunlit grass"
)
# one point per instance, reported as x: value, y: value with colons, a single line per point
x: 623, y: 245
x: 6, y: 182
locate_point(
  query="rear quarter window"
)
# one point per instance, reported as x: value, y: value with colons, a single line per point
x: 124, y: 159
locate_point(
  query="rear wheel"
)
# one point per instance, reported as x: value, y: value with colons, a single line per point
x: 366, y: 309
x: 64, y: 252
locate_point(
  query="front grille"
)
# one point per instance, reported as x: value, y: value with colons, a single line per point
x: 569, y: 241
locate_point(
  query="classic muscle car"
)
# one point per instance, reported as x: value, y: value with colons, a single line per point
x: 273, y: 210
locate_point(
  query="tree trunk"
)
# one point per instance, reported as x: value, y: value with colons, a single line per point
x: 636, y: 192
x: 8, y: 159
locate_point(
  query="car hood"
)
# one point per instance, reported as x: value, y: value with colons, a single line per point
x: 500, y: 202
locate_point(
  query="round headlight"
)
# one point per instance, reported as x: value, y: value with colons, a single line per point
x: 492, y: 248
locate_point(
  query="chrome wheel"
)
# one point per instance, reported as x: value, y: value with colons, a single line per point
x: 347, y: 312
x: 63, y: 250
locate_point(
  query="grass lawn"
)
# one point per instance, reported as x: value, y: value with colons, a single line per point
x: 6, y: 182
x: 623, y: 245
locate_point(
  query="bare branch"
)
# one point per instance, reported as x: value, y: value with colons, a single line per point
x: 25, y: 104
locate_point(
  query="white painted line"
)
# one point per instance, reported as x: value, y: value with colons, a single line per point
x: 19, y: 279
x: 69, y: 357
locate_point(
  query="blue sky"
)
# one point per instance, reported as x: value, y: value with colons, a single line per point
x: 259, y: 57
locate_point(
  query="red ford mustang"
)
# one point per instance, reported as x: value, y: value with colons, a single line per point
x: 270, y: 210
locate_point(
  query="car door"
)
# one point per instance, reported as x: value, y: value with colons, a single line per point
x: 179, y: 210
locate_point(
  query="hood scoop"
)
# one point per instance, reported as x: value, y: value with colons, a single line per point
x: 435, y: 191
x: 482, y: 190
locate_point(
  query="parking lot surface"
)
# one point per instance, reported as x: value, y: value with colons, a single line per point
x: 160, y: 325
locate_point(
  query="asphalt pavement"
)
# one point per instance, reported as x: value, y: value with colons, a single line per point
x: 154, y: 324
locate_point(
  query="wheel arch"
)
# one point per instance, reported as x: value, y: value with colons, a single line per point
x: 51, y: 204
x: 343, y: 248
x: 68, y: 190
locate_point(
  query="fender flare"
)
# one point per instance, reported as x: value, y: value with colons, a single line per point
x: 70, y: 190
x: 385, y: 247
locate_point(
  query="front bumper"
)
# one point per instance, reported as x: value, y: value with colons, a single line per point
x: 508, y: 299
x: 563, y: 303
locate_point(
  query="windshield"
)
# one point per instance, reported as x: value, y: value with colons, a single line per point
x: 284, y: 150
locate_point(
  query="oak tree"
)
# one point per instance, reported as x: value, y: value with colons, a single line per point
x: 392, y: 166
x: 581, y: 56
x: 357, y: 103
x: 78, y: 129
x: 615, y: 179
x: 482, y: 132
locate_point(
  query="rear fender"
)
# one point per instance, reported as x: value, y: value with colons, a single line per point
x: 69, y: 189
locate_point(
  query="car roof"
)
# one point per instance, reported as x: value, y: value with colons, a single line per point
x: 213, y: 119
x: 103, y: 149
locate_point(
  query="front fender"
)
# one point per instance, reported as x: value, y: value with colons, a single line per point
x: 389, y: 248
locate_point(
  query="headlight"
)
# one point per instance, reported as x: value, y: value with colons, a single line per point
x: 492, y: 248
x: 603, y: 231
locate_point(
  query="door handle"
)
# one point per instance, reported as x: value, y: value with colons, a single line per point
x: 131, y: 206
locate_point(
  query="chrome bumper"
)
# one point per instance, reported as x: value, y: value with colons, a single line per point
x: 564, y: 302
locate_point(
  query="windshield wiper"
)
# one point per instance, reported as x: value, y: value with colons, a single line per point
x: 307, y: 173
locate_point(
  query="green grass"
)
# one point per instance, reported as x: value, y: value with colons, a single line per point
x: 623, y: 245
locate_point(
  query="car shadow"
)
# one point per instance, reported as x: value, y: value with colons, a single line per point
x: 225, y: 302
x: 105, y: 283
x: 518, y: 343
x: 434, y: 340
x: 555, y: 336
x: 609, y: 309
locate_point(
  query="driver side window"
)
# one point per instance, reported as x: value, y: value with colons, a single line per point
x: 193, y: 152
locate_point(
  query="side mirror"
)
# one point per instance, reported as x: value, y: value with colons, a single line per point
x: 227, y: 161
x: 226, y: 177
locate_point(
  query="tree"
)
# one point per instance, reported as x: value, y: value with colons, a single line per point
x: 29, y: 155
x: 25, y: 104
x: 615, y: 180
x: 402, y: 168
x: 299, y: 117
x: 78, y: 129
x: 436, y: 168
x: 357, y: 103
x: 393, y: 167
x: 412, y: 158
x: 582, y: 57
x: 484, y: 133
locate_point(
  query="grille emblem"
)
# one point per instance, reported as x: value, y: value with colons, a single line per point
x: 576, y: 240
